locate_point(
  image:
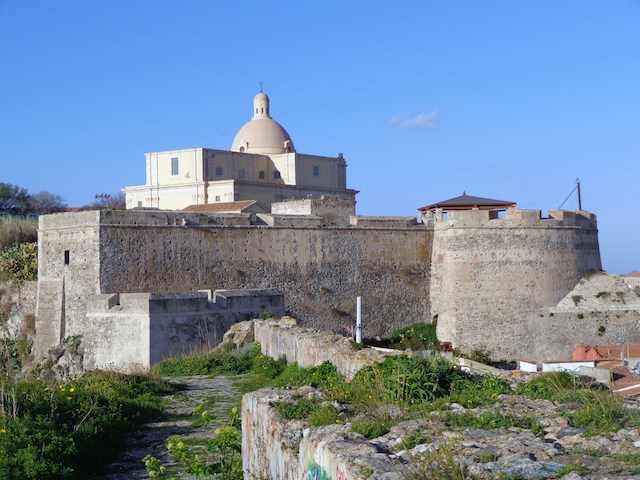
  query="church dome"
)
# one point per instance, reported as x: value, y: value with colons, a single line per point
x: 262, y: 134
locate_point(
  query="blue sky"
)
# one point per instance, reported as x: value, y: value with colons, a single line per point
x: 504, y: 99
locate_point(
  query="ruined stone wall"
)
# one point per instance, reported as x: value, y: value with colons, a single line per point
x: 310, y: 348
x: 321, y: 270
x: 287, y: 450
x: 487, y: 272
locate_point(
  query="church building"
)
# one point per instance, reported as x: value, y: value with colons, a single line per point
x: 262, y: 165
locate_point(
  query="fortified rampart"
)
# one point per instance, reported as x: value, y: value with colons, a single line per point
x: 487, y: 270
x: 145, y: 328
x: 473, y: 273
x: 321, y: 268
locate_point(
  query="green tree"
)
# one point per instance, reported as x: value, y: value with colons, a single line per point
x: 13, y: 198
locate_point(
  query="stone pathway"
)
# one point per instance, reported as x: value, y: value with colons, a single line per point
x: 218, y: 394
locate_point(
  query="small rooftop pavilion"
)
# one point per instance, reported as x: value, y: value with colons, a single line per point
x: 463, y: 202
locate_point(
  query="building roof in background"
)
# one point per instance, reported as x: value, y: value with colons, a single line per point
x: 468, y: 202
x: 240, y: 206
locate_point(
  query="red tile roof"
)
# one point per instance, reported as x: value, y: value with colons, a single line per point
x: 596, y: 352
x: 223, y: 207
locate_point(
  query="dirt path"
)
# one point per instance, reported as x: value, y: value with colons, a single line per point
x: 217, y: 395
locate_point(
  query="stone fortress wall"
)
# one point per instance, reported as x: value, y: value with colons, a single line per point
x: 148, y: 327
x: 321, y: 269
x: 476, y: 275
x: 487, y: 270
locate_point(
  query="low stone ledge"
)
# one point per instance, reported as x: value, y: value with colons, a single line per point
x: 309, y: 347
x: 275, y: 448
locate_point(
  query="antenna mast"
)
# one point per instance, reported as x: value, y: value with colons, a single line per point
x: 579, y: 197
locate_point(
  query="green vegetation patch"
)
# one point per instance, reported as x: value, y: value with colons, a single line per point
x: 371, y: 427
x: 488, y: 420
x: 218, y: 362
x: 19, y: 262
x: 64, y: 430
x: 597, y: 409
x: 419, y: 336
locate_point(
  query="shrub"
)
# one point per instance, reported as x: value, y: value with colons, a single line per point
x: 402, y: 379
x: 267, y: 366
x: 414, y: 438
x: 487, y: 421
x: 477, y: 390
x: 19, y: 262
x: 600, y: 412
x: 295, y: 410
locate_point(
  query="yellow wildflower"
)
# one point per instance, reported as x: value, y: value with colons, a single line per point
x: 72, y: 389
x: 2, y: 430
x: 68, y: 398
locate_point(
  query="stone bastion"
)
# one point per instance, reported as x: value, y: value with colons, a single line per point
x: 473, y: 273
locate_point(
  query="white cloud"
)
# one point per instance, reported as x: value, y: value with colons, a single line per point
x: 422, y: 120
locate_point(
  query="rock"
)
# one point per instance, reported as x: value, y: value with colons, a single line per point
x: 567, y: 431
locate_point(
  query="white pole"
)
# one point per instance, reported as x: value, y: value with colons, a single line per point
x: 358, y: 320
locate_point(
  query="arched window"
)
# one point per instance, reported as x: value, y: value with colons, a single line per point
x: 242, y: 149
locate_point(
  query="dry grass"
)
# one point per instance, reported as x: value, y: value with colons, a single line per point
x: 17, y: 230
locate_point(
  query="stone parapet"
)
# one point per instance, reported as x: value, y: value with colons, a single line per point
x: 275, y: 448
x: 382, y: 222
x: 309, y: 347
x: 297, y: 221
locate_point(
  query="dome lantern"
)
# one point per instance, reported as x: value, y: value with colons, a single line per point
x: 262, y: 134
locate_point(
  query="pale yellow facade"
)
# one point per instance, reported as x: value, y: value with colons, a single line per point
x: 176, y: 179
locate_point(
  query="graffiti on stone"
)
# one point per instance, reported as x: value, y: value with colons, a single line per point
x: 316, y: 472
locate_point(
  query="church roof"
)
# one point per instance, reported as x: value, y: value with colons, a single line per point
x: 240, y: 206
x: 468, y: 202
x: 262, y: 134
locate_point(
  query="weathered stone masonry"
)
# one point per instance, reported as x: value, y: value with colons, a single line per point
x: 321, y: 269
x: 473, y: 273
